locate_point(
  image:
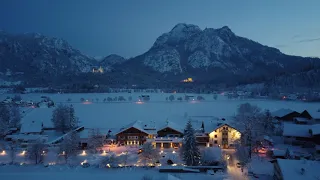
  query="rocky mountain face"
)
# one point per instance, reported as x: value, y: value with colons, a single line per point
x: 209, y: 56
x: 108, y: 62
x: 36, y: 55
x: 215, y: 56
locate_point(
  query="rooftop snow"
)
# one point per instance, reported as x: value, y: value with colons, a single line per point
x: 281, y: 112
x: 296, y: 130
x: 315, y: 129
x: 291, y: 169
x: 172, y: 125
x: 34, y: 126
x: 137, y: 125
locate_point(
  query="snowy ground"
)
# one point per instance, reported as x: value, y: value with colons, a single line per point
x: 79, y: 173
x: 96, y: 113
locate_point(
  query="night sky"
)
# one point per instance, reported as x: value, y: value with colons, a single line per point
x: 130, y: 27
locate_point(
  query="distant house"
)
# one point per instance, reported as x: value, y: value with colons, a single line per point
x: 287, y: 169
x: 285, y: 114
x: 135, y: 133
x: 300, y: 134
x: 169, y: 135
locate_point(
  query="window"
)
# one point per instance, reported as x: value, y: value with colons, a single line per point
x: 226, y: 128
x: 223, y: 128
x: 215, y: 136
x: 215, y: 142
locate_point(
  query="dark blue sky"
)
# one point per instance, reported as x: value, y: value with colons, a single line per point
x: 130, y: 27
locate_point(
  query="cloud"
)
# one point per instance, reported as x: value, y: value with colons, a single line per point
x: 281, y: 46
x: 296, y: 36
x: 308, y: 40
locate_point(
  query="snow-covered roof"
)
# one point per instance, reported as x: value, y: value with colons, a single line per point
x: 267, y: 138
x: 27, y: 137
x: 31, y: 127
x: 173, y: 126
x: 315, y: 129
x: 137, y: 125
x: 300, y: 119
x: 296, y: 130
x: 43, y: 115
x: 281, y: 112
x: 314, y: 114
x: 291, y: 169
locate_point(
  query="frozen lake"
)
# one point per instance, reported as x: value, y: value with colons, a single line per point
x: 116, y: 114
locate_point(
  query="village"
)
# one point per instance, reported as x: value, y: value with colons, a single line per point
x: 292, y: 142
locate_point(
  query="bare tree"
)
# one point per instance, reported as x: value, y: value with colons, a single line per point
x: 4, y: 119
x: 12, y: 151
x: 250, y: 118
x: 243, y: 155
x: 96, y: 139
x: 63, y: 118
x: 70, y: 145
x: 35, y: 151
x: 15, y: 117
x: 148, y: 154
x: 179, y: 98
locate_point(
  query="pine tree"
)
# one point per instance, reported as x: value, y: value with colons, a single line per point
x: 4, y: 119
x: 190, y: 151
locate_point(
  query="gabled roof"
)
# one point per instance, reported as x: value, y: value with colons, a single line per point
x: 281, y: 112
x: 136, y: 124
x: 296, y: 130
x: 173, y: 126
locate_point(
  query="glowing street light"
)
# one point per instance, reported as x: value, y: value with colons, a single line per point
x: 83, y: 153
x: 3, y: 153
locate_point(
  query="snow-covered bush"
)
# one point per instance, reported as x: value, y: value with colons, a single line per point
x: 215, y: 97
x: 200, y: 98
x: 109, y: 161
x: 81, y: 99
x: 121, y: 98
x: 171, y: 97
x: 148, y: 154
x: 109, y: 99
x: 179, y: 98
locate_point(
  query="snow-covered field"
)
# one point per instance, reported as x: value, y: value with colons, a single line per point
x: 96, y: 113
x: 79, y: 173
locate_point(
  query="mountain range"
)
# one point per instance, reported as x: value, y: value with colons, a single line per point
x: 209, y: 56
